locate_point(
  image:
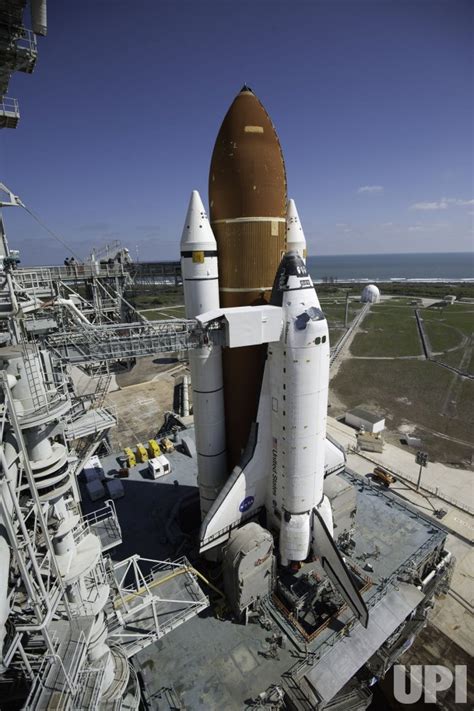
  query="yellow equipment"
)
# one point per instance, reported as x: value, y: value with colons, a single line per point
x: 167, y: 445
x: 131, y: 460
x: 384, y: 476
x: 153, y: 448
x: 142, y: 454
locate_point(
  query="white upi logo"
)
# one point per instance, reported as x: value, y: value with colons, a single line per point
x: 409, y: 683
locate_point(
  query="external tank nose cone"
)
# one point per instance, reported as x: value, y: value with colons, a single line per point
x: 197, y: 232
x: 247, y: 174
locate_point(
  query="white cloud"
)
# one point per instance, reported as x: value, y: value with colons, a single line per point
x: 428, y: 227
x: 455, y: 201
x: 370, y: 189
x: 442, y: 204
x: 341, y: 224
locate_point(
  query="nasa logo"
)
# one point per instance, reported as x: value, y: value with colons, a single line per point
x: 246, y: 504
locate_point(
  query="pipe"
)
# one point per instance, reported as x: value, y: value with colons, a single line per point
x: 5, y: 516
x: 79, y: 316
x: 436, y: 570
x: 185, y: 395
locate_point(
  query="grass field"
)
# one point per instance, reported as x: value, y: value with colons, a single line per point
x: 161, y: 297
x: 442, y: 336
x: 388, y: 331
x: 449, y: 328
x: 166, y: 312
x: 413, y: 392
x: 335, y: 334
x: 335, y: 312
x: 461, y: 318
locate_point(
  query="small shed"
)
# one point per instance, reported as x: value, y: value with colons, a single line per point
x: 360, y: 418
x: 450, y: 299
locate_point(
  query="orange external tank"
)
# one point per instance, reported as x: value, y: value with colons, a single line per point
x: 247, y: 201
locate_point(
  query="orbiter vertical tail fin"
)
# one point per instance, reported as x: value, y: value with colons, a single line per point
x: 336, y: 569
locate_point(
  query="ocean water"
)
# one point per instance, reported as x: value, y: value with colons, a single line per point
x: 384, y: 267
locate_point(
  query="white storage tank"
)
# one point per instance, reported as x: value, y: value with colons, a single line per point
x: 370, y: 294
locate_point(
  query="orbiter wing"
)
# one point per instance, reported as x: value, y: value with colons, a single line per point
x: 244, y: 492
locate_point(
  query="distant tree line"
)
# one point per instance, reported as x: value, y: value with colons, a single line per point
x: 426, y: 289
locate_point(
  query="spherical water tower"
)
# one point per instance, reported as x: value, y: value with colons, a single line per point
x: 370, y: 294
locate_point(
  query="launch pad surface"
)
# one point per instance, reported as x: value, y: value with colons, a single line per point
x: 212, y: 663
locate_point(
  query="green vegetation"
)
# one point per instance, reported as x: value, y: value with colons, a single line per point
x: 452, y: 358
x: 401, y: 301
x: 335, y: 311
x: 442, y: 336
x: 415, y: 392
x: 420, y: 290
x: 448, y: 328
x: 164, y: 313
x: 388, y: 332
x: 335, y: 334
x: 457, y: 316
x: 159, y: 297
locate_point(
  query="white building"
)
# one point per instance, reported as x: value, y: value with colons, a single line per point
x: 370, y: 294
x: 369, y: 421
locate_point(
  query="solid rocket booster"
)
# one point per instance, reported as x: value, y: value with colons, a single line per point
x: 201, y: 293
x: 247, y: 200
x: 295, y: 239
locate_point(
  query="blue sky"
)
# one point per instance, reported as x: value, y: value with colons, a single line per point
x: 372, y: 101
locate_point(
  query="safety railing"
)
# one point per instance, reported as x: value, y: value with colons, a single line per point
x: 9, y: 105
x: 37, y: 276
x: 87, y: 696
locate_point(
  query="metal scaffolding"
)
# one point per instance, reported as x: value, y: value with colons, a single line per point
x: 124, y: 341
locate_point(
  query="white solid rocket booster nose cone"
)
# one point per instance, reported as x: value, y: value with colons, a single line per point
x: 295, y: 238
x: 197, y: 232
